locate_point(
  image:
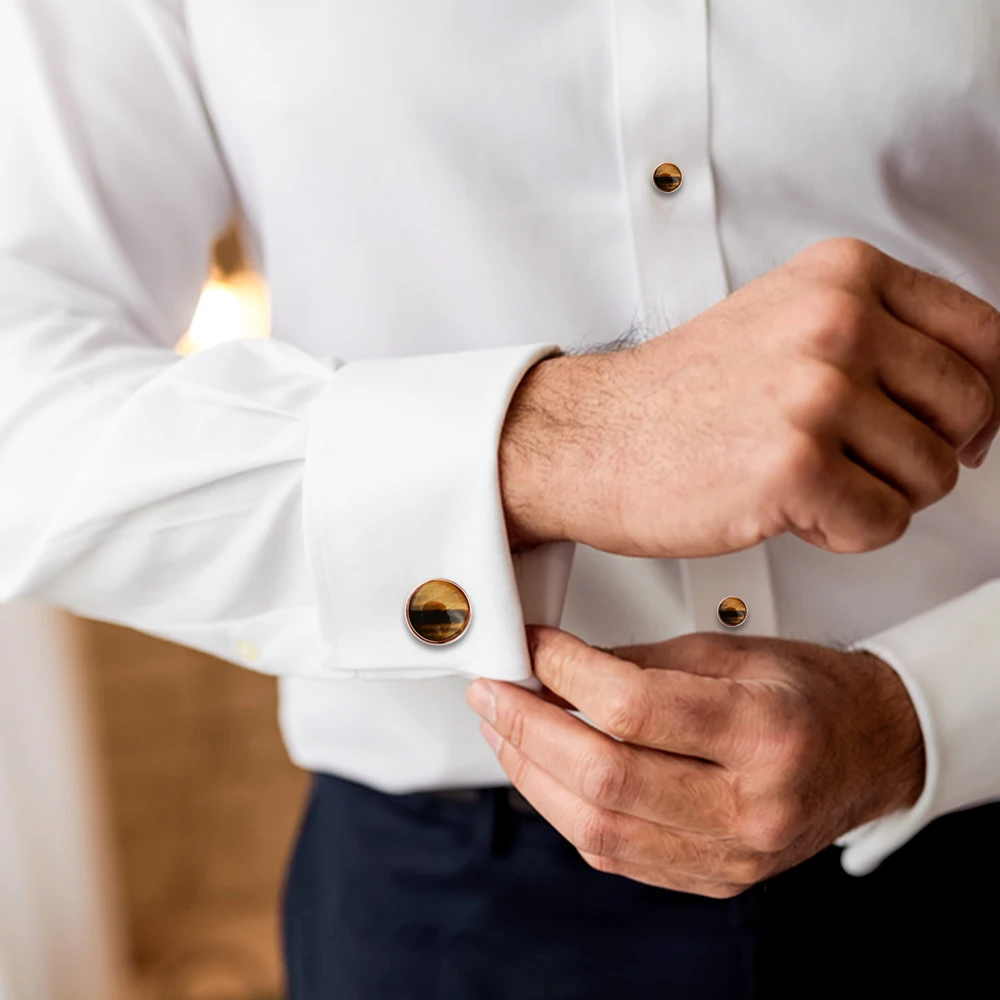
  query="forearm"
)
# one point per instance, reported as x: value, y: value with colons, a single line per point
x: 556, y: 468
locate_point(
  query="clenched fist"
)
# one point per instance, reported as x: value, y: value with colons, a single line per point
x: 831, y: 398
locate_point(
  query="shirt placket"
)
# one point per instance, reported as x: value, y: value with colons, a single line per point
x: 664, y: 107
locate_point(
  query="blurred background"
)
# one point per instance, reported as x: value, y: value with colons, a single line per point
x: 147, y: 806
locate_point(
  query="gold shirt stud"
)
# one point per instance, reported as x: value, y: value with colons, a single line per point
x: 732, y: 612
x: 667, y: 177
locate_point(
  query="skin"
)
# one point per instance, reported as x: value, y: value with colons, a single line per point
x: 718, y: 760
x: 831, y: 399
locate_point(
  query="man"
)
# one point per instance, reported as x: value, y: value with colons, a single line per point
x: 772, y: 534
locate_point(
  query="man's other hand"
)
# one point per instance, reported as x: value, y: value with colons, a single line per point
x: 728, y: 759
x: 831, y: 398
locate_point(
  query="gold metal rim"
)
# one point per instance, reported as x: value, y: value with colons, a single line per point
x: 679, y: 178
x: 424, y: 639
x: 746, y: 612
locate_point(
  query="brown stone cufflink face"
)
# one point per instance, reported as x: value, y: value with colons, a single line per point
x: 438, y: 612
x: 732, y: 612
x: 667, y: 177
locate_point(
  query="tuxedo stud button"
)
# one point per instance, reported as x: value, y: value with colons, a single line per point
x: 732, y: 612
x: 667, y: 177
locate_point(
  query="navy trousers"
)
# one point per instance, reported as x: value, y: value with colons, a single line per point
x: 417, y: 897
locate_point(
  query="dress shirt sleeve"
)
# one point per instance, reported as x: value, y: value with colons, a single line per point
x: 949, y: 660
x: 251, y: 501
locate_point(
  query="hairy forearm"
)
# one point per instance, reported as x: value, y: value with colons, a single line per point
x: 799, y: 404
x: 553, y: 451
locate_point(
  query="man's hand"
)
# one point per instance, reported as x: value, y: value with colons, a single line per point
x: 730, y: 758
x: 831, y: 398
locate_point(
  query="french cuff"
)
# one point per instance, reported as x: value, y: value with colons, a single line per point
x: 949, y: 661
x: 401, y: 490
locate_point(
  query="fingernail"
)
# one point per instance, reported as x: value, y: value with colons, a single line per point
x: 491, y: 736
x: 980, y: 457
x: 482, y: 700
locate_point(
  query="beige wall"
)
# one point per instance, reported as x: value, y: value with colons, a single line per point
x: 204, y: 805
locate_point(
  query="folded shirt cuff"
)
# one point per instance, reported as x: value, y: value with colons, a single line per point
x: 949, y: 661
x: 401, y: 488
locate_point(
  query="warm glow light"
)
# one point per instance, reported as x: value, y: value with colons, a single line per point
x: 229, y: 309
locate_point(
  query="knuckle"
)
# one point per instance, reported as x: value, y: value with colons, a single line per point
x: 987, y: 329
x: 704, y: 647
x: 836, y: 324
x: 627, y: 715
x: 770, y: 827
x: 515, y: 723
x: 824, y: 392
x: 801, y: 460
x: 797, y: 744
x: 978, y: 405
x: 788, y: 745
x: 892, y: 524
x: 849, y: 256
x: 595, y: 832
x: 556, y: 654
x: 714, y: 803
x: 945, y: 472
x: 717, y: 804
x: 938, y: 463
x: 605, y: 779
x: 881, y: 523
x: 970, y: 393
x: 516, y: 766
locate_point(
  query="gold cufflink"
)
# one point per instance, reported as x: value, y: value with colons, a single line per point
x: 732, y: 612
x: 438, y: 612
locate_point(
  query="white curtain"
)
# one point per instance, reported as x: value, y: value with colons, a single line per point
x: 57, y: 933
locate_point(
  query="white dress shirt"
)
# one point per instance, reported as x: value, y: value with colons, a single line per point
x: 439, y: 193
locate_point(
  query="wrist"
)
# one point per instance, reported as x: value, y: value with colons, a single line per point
x: 895, y: 739
x: 551, y: 450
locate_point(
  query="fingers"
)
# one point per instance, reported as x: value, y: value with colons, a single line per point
x: 843, y: 508
x: 898, y: 448
x: 957, y: 318
x: 708, y: 654
x: 688, y: 862
x: 659, y: 879
x: 940, y: 308
x: 672, y: 791
x: 934, y: 383
x: 671, y: 710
